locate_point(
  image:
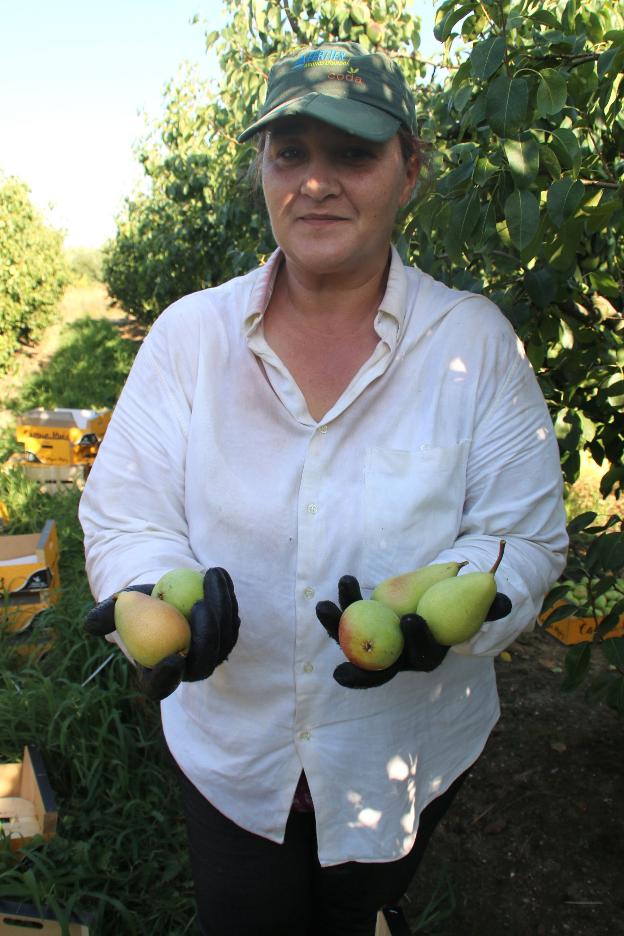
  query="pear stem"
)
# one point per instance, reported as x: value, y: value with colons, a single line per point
x: 501, y: 550
x: 460, y: 565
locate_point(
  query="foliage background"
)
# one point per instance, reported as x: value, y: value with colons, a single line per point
x: 33, y: 271
x: 522, y: 111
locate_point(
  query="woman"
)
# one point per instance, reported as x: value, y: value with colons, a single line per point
x: 331, y: 412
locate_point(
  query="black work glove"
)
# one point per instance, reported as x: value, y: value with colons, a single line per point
x: 421, y: 651
x: 214, y: 624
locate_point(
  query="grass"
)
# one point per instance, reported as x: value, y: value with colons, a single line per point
x: 120, y: 852
x: 88, y: 369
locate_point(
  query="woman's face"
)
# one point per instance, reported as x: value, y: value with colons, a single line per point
x: 333, y: 197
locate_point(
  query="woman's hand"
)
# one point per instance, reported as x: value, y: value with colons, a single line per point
x: 214, y: 624
x: 421, y: 651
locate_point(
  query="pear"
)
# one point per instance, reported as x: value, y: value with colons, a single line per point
x: 180, y: 588
x: 369, y: 635
x: 150, y: 629
x: 403, y: 592
x: 456, y: 608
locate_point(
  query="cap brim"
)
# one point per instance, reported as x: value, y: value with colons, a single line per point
x: 355, y: 117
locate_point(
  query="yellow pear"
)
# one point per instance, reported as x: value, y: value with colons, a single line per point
x: 456, y: 608
x: 403, y: 592
x: 150, y: 629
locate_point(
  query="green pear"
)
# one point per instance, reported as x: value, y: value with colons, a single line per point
x: 403, y: 592
x: 456, y: 608
x: 369, y: 635
x: 150, y: 629
x: 375, y: 32
x: 180, y: 588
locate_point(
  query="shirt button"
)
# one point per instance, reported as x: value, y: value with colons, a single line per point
x: 311, y: 508
x: 307, y: 667
x: 308, y: 592
x: 305, y: 735
x: 323, y: 429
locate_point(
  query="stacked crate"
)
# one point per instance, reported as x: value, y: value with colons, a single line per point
x: 59, y: 445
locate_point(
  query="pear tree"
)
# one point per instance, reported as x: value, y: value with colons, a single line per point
x: 521, y: 195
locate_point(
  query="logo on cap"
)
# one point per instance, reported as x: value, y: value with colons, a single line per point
x: 320, y: 57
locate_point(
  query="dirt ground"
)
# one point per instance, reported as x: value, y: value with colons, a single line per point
x: 534, y: 844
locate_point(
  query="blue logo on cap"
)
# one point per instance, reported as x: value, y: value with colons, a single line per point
x: 321, y: 57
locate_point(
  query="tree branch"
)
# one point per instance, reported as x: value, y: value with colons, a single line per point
x: 294, y: 25
x: 599, y: 182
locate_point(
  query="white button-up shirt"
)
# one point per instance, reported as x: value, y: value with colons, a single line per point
x: 441, y: 445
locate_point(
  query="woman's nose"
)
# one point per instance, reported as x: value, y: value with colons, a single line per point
x: 319, y: 180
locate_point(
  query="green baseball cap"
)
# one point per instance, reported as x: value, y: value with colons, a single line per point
x: 364, y: 93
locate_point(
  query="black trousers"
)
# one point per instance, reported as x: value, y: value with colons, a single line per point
x: 246, y: 885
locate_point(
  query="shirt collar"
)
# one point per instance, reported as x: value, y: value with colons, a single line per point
x: 390, y: 316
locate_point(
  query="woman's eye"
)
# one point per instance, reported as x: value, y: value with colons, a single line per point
x: 357, y: 153
x: 289, y: 153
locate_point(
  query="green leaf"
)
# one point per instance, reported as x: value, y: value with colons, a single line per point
x: 461, y: 97
x: 599, y: 216
x: 576, y: 665
x: 606, y: 552
x: 615, y: 389
x: 609, y: 621
x: 610, y: 61
x: 484, y: 170
x: 581, y: 521
x: 555, y: 594
x: 613, y: 649
x: 549, y: 161
x: 523, y: 158
x: 566, y: 148
x: 486, y: 226
x: 560, y: 613
x: 544, y: 18
x: 552, y: 92
x: 603, y: 282
x: 465, y: 215
x: 446, y: 19
x: 507, y: 104
x: 612, y: 477
x: 522, y: 216
x: 456, y: 177
x: 563, y: 199
x: 541, y: 285
x: 487, y: 57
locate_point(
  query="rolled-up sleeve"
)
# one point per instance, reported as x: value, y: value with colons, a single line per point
x: 133, y: 507
x: 513, y: 492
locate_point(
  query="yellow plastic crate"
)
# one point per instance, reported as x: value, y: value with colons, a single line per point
x: 62, y: 436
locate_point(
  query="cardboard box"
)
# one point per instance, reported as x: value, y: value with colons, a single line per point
x: 27, y: 803
x: 50, y: 478
x: 17, y: 917
x: 62, y: 436
x: 575, y: 630
x: 29, y: 576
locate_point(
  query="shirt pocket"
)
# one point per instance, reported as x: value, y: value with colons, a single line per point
x: 413, y: 504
